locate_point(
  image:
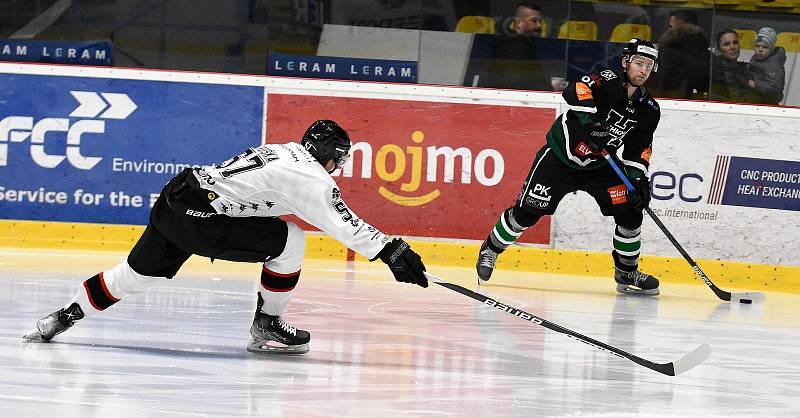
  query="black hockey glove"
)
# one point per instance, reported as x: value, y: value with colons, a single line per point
x: 405, y: 264
x: 639, y: 198
x: 597, y: 137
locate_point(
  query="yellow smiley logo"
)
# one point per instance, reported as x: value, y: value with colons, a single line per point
x: 415, y: 154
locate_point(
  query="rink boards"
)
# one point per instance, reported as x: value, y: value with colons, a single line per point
x: 84, y: 150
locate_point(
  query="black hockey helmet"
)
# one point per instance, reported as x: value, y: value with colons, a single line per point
x: 642, y: 48
x: 325, y: 140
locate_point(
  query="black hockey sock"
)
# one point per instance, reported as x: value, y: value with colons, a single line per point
x: 627, y: 243
x: 505, y: 232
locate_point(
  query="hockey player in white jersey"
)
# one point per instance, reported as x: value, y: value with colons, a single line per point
x: 230, y: 212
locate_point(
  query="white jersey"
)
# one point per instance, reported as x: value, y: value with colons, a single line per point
x: 284, y: 179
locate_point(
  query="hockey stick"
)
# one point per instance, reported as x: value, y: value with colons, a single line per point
x: 745, y: 297
x: 688, y: 361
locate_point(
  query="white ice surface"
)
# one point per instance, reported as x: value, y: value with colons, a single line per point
x: 384, y: 349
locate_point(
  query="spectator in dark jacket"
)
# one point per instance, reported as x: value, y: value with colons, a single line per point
x: 683, y: 58
x: 730, y: 78
x: 766, y: 65
x: 527, y: 19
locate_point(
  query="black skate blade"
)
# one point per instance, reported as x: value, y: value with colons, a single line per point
x: 34, y: 336
x: 632, y: 290
x: 264, y: 347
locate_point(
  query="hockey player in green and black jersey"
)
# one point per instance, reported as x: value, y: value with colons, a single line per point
x: 609, y: 110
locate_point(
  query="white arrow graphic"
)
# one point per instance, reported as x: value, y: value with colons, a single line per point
x: 121, y: 106
x: 90, y: 104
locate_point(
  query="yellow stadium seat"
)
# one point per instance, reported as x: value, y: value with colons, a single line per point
x: 747, y: 38
x: 475, y: 24
x: 777, y: 4
x: 744, y: 5
x: 581, y: 30
x: 625, y: 31
x: 683, y: 3
x: 790, y: 41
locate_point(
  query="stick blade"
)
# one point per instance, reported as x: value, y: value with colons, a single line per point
x: 753, y: 297
x: 692, y: 359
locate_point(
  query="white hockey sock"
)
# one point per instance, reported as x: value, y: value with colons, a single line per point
x: 99, y: 292
x: 279, y: 276
x: 275, y: 302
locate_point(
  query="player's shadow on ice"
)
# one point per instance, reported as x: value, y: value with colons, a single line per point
x: 664, y: 296
x: 509, y: 366
x: 197, y: 352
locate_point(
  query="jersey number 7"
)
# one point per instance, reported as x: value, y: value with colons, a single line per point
x: 246, y: 161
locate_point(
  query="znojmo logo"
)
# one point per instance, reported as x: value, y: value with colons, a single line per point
x: 421, y: 166
x: 91, y: 105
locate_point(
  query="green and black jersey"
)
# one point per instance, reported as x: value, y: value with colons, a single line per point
x: 603, y: 97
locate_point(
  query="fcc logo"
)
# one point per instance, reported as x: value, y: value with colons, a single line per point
x: 92, y: 109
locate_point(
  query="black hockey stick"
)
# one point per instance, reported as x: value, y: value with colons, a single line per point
x: 688, y: 361
x: 745, y: 297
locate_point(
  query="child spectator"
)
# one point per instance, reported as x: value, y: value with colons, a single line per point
x: 766, y: 65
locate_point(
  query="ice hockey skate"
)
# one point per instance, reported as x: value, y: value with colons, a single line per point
x: 271, y: 334
x: 635, y: 282
x: 487, y: 258
x: 55, y: 323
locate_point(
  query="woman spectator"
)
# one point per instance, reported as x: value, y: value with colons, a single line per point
x: 766, y: 65
x: 730, y: 78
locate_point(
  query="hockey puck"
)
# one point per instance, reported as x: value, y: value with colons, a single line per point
x: 747, y: 301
